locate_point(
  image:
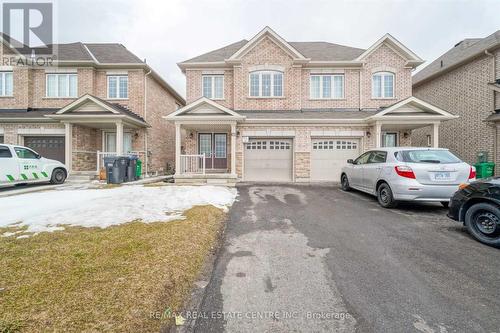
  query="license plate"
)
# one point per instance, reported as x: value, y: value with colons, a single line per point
x: 442, y: 176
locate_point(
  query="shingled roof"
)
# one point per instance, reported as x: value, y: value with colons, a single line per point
x: 462, y: 52
x: 316, y: 51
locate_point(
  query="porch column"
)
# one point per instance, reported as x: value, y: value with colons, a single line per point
x: 435, y: 135
x: 378, y: 135
x: 177, y: 148
x: 119, y: 138
x: 68, y: 146
x: 233, y: 148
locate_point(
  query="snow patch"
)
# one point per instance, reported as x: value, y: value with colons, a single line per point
x: 47, y: 211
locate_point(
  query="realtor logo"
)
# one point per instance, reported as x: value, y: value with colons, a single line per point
x: 28, y: 27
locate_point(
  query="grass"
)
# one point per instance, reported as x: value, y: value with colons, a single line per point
x: 115, y: 279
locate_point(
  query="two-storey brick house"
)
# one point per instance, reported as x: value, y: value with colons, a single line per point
x: 94, y: 100
x: 465, y: 81
x: 272, y: 110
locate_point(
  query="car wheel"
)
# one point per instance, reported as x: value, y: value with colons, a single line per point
x: 385, y: 197
x: 483, y: 223
x: 58, y: 176
x: 344, y: 182
x: 445, y: 204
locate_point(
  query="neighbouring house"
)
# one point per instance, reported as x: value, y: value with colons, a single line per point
x: 266, y: 109
x: 95, y: 100
x: 466, y: 82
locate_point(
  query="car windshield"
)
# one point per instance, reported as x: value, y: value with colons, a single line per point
x: 427, y: 156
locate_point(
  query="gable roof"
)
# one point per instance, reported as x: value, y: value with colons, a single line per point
x: 184, y: 111
x: 388, y: 39
x: 462, y: 52
x: 412, y: 103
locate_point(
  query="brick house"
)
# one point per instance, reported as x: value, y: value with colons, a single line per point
x: 466, y: 82
x: 95, y: 100
x: 272, y: 110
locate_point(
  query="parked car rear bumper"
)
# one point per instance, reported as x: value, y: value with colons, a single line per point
x: 418, y: 192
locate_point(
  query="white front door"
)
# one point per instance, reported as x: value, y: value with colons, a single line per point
x: 110, y: 142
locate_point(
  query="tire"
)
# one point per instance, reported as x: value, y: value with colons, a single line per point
x: 385, y: 197
x: 344, y: 183
x: 445, y: 204
x: 58, y: 176
x: 483, y: 223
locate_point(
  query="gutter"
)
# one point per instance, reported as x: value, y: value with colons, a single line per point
x: 146, y: 158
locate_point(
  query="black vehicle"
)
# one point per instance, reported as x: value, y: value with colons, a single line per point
x: 477, y: 205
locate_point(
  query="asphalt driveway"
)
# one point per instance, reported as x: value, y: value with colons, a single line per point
x: 316, y: 259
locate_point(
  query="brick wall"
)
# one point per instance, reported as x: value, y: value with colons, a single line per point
x: 463, y: 92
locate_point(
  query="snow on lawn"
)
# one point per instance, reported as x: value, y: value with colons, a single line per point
x: 47, y: 211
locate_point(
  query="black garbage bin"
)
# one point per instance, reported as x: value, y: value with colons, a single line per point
x: 132, y: 168
x: 116, y: 169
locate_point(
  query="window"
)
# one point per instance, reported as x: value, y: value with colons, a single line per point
x: 257, y: 145
x: 378, y: 157
x: 427, y: 156
x: 389, y: 139
x: 110, y: 142
x: 383, y: 85
x: 327, y: 86
x: 5, y: 152
x: 266, y: 84
x: 213, y: 86
x: 117, y: 86
x: 6, y: 84
x: 1, y: 139
x: 335, y: 144
x: 363, y: 159
x: 62, y: 85
x: 279, y: 145
x: 220, y: 145
x: 25, y: 153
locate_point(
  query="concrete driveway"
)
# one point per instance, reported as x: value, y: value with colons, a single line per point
x: 316, y: 259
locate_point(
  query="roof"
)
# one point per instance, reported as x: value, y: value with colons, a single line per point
x: 462, y: 52
x: 309, y: 114
x: 317, y: 51
x: 26, y: 113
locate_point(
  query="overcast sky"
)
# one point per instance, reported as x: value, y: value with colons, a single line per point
x: 169, y: 31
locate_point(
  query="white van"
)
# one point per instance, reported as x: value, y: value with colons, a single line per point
x: 21, y: 165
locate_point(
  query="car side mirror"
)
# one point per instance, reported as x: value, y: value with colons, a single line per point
x: 350, y: 161
x: 38, y: 156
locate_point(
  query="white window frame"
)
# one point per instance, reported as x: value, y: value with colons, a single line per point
x: 57, y: 84
x: 260, y: 73
x: 117, y: 76
x: 332, y: 88
x: 212, y: 88
x: 382, y: 82
x: 3, y: 75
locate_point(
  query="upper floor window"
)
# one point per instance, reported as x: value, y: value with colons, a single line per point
x: 383, y: 85
x: 62, y: 85
x: 266, y: 84
x: 213, y: 86
x: 117, y: 86
x: 6, y: 84
x: 327, y: 86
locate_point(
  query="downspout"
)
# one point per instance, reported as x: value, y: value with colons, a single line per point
x: 146, y: 157
x: 488, y: 53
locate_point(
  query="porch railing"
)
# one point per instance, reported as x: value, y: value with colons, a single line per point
x: 192, y: 164
x: 102, y: 154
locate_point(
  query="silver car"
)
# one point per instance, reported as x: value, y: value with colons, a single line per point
x: 404, y: 174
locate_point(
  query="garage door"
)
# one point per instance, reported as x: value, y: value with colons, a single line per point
x: 328, y: 156
x: 48, y: 146
x: 268, y: 160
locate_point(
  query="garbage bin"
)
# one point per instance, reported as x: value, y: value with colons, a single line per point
x: 131, y: 168
x: 138, y: 170
x: 485, y: 169
x: 108, y: 166
x: 116, y: 169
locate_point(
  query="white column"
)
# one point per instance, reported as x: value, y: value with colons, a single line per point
x: 68, y: 146
x: 378, y: 135
x: 435, y: 135
x: 119, y: 138
x: 233, y: 148
x: 177, y: 148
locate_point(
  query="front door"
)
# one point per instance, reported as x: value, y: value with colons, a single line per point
x: 214, y: 146
x: 110, y: 142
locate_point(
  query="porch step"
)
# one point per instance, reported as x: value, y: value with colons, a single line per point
x: 80, y: 177
x: 212, y: 179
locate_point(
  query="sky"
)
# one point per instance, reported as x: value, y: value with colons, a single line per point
x: 170, y: 31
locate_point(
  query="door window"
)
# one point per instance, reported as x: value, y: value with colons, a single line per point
x: 110, y: 142
x: 220, y: 145
x: 5, y: 152
x: 205, y: 144
x: 25, y: 153
x: 363, y: 159
x: 389, y: 140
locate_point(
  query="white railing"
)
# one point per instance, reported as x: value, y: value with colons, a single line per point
x: 102, y: 154
x: 192, y: 164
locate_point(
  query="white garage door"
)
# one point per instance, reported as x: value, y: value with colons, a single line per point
x: 268, y: 160
x: 328, y: 156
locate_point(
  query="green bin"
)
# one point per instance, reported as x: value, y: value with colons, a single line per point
x: 138, y: 169
x: 485, y: 169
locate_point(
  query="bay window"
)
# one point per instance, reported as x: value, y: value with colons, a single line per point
x: 6, y: 84
x: 62, y: 85
x: 383, y: 85
x: 117, y: 86
x: 213, y: 86
x: 327, y: 86
x: 266, y: 84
